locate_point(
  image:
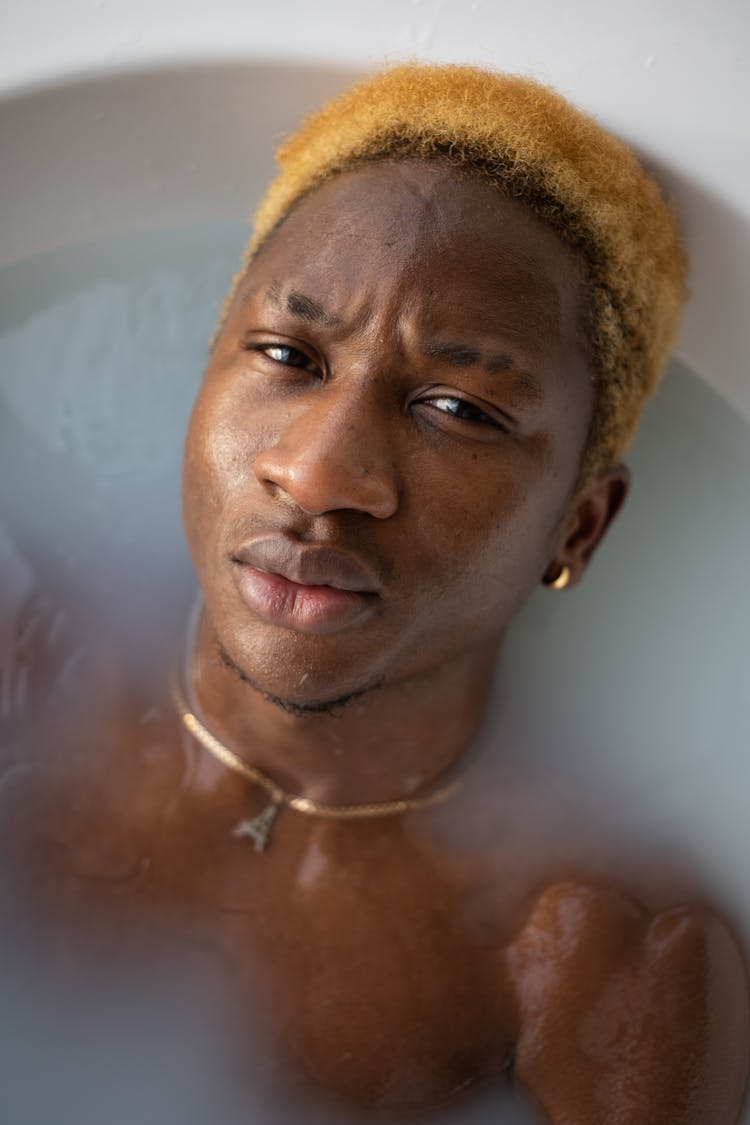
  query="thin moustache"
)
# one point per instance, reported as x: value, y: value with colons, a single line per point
x: 308, y: 564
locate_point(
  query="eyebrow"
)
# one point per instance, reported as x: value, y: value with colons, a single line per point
x: 457, y: 355
x: 297, y: 304
x: 463, y: 355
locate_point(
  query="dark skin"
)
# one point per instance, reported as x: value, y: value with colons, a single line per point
x: 403, y: 379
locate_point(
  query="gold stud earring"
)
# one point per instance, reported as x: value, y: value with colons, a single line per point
x: 562, y: 579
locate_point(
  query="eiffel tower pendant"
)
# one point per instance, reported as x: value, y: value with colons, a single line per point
x: 259, y: 828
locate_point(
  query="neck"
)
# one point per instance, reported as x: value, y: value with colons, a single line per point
x: 399, y: 740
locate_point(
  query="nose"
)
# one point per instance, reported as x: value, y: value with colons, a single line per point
x: 333, y: 453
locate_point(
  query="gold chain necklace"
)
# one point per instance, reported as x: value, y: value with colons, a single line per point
x: 259, y: 827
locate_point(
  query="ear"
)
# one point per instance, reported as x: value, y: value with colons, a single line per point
x: 592, y: 511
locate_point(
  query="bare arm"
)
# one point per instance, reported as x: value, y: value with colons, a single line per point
x: 628, y: 1019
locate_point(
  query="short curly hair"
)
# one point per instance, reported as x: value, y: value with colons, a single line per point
x: 538, y: 148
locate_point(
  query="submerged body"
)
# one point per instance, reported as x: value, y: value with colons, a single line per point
x: 390, y: 965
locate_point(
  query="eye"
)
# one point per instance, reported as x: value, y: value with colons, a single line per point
x: 463, y: 409
x: 285, y: 355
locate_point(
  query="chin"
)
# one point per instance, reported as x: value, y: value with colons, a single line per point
x: 318, y: 699
x: 298, y: 673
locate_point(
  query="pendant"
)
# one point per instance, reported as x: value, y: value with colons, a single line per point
x: 259, y: 828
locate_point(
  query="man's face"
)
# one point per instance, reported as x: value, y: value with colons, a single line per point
x: 389, y: 432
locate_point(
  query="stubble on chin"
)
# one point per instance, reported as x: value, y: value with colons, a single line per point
x: 321, y: 707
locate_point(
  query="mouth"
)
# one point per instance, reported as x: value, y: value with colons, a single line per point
x: 308, y: 588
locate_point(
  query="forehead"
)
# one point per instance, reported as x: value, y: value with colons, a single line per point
x: 432, y: 237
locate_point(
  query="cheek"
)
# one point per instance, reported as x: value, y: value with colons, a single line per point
x: 485, y: 542
x: 211, y: 452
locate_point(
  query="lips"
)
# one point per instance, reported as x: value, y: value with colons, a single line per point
x: 309, y: 588
x: 307, y: 564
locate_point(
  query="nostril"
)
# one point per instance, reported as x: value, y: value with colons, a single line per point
x: 320, y: 481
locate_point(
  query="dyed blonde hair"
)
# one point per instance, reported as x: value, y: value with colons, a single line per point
x: 537, y: 148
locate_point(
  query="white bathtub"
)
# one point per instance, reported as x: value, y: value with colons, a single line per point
x: 124, y: 203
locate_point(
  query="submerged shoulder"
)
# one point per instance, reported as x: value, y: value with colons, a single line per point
x: 569, y: 917
x: 650, y: 1010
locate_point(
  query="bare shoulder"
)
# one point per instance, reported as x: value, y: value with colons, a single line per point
x: 626, y: 1013
x: 93, y: 786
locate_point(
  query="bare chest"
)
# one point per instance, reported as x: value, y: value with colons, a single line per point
x: 347, y: 953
